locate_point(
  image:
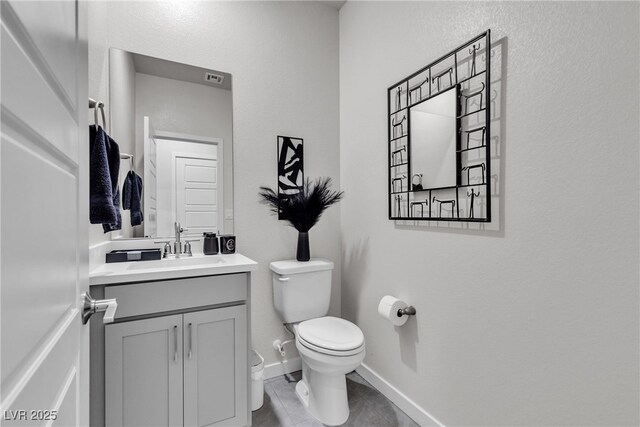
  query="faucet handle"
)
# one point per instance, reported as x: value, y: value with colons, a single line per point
x: 187, y: 246
x: 167, y: 247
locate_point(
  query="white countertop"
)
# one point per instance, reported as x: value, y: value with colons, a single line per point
x: 197, y: 265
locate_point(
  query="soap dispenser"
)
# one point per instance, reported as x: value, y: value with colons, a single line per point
x: 210, y: 245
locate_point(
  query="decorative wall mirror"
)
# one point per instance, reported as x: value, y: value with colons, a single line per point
x: 439, y: 132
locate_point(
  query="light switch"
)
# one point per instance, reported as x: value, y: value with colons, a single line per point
x: 228, y: 214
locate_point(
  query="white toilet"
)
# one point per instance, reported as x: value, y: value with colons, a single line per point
x: 329, y: 347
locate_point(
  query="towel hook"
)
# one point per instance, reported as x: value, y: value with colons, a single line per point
x: 104, y: 120
x: 98, y: 105
x: 95, y: 114
x: 130, y: 158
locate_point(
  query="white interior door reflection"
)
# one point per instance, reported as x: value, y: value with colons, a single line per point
x: 189, y: 185
x: 195, y: 192
x: 433, y: 140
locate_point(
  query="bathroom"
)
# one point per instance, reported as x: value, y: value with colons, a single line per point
x: 529, y: 318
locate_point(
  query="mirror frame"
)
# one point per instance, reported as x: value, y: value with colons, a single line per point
x: 408, y: 92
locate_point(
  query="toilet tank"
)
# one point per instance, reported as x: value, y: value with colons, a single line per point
x: 301, y: 290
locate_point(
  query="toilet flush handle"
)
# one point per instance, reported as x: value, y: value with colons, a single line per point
x: 283, y: 279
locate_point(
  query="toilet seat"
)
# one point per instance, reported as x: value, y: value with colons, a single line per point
x: 330, y: 335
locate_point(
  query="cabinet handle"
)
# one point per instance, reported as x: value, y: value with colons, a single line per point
x: 175, y: 342
x: 190, y: 339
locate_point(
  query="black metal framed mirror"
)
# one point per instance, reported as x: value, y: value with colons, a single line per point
x: 438, y: 138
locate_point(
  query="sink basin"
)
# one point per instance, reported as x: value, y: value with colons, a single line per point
x: 177, y: 262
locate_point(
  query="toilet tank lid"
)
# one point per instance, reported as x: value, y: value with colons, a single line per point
x: 291, y: 266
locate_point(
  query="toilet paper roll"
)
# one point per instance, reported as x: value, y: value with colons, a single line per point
x: 388, y: 308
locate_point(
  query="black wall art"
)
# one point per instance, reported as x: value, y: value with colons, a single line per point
x: 290, y: 166
x: 439, y: 133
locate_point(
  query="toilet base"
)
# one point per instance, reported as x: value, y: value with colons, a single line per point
x: 303, y: 393
x: 327, y: 401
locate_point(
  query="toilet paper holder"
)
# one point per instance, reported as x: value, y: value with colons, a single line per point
x: 407, y: 311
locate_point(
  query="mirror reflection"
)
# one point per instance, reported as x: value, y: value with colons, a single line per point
x: 433, y: 142
x: 176, y: 122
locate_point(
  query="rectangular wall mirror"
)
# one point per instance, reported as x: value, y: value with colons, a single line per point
x: 433, y: 141
x: 175, y: 122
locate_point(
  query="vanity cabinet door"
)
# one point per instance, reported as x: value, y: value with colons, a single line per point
x: 215, y: 367
x: 143, y: 372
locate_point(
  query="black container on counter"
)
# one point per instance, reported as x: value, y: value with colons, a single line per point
x: 210, y: 244
x: 228, y: 244
x: 127, y: 255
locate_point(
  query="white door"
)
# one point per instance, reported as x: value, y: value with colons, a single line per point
x: 171, y: 146
x: 196, y: 194
x: 44, y: 213
x: 150, y: 182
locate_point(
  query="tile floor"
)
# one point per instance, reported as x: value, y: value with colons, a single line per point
x: 369, y: 408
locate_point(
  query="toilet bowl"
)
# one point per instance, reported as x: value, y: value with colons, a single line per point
x: 329, y: 347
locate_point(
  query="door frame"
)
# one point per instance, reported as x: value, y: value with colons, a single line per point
x: 148, y: 136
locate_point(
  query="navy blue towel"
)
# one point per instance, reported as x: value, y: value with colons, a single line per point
x: 117, y: 224
x: 113, y: 154
x: 101, y: 188
x: 132, y: 197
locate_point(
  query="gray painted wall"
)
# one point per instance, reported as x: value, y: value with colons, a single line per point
x: 283, y: 57
x: 533, y: 321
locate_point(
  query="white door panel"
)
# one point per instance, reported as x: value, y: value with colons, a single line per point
x: 196, y: 193
x: 68, y: 401
x: 44, y: 212
x: 47, y: 283
x: 46, y: 114
x: 200, y: 173
x: 52, y: 29
x: 198, y: 222
x: 200, y: 196
x: 49, y: 382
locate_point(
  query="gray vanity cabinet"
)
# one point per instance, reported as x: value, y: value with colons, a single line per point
x: 177, y: 354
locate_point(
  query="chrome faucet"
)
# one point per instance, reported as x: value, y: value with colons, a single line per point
x: 177, y: 246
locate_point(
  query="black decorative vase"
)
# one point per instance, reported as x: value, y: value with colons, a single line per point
x: 303, y: 246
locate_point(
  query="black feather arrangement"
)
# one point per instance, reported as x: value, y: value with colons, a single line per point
x: 302, y: 210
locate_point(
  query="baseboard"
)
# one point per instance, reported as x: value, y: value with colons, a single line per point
x: 407, y: 405
x: 280, y: 368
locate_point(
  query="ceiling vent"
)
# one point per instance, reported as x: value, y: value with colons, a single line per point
x: 213, y: 78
